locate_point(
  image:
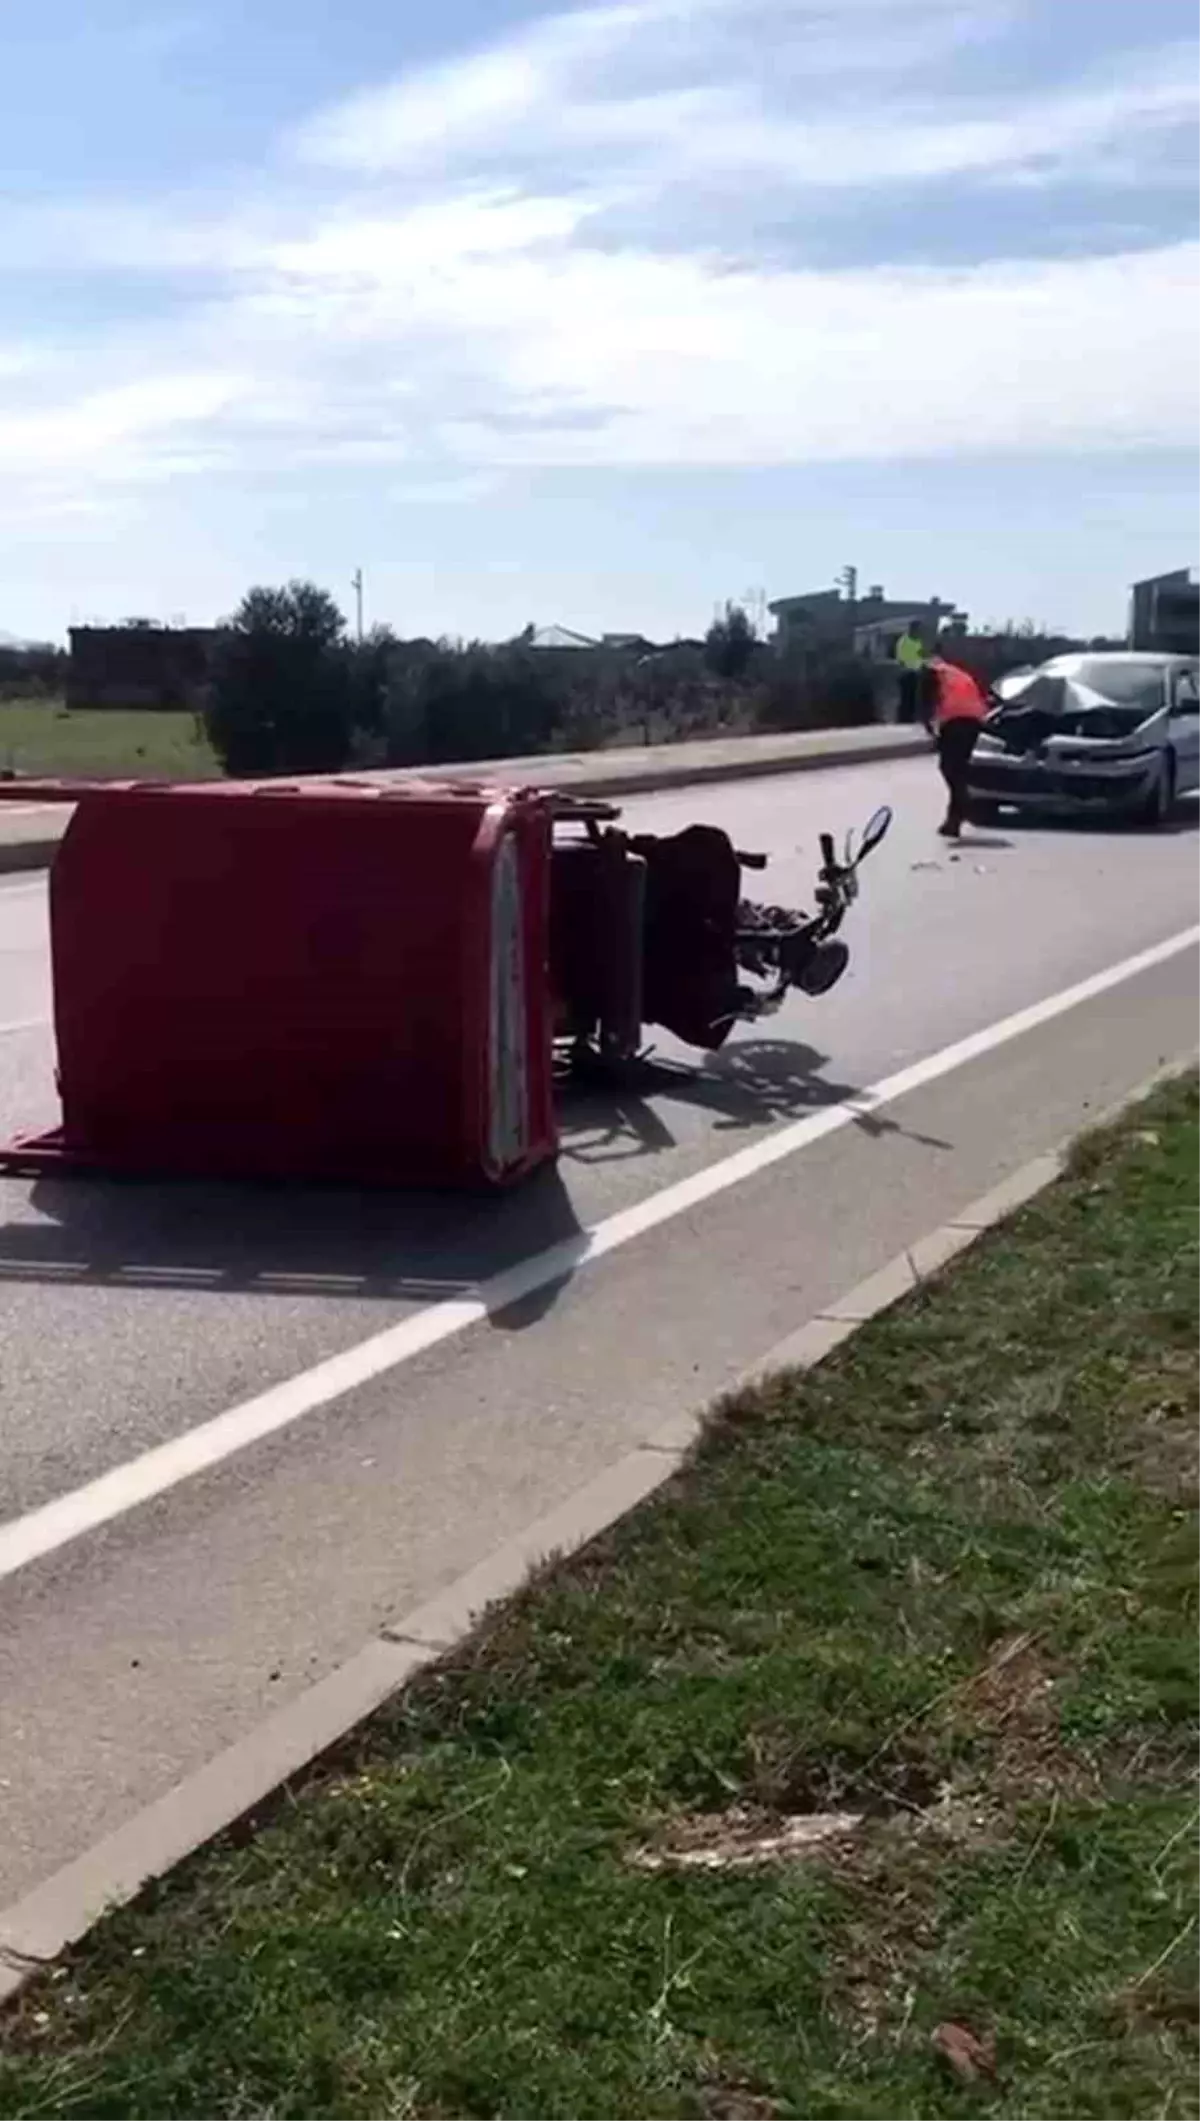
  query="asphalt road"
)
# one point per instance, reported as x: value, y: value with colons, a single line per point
x: 131, y: 1316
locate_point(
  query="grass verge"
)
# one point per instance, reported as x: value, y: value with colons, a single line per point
x: 853, y: 1776
x: 44, y: 737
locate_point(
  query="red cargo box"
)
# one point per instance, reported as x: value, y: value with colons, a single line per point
x: 332, y: 981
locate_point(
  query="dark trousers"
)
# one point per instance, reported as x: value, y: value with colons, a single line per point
x: 955, y: 743
x: 910, y: 691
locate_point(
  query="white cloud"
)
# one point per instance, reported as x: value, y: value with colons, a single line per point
x: 766, y: 88
x: 451, y: 492
x: 428, y: 238
x: 16, y: 360
x: 684, y: 365
x: 467, y: 103
x: 428, y: 275
x: 90, y: 432
x: 360, y: 353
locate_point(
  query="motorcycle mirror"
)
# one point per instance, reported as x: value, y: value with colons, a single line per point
x: 876, y: 827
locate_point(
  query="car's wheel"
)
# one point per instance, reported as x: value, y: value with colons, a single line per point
x: 1160, y: 802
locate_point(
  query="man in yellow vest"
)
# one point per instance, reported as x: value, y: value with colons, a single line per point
x: 910, y: 654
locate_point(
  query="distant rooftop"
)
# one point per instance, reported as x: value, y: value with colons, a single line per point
x: 560, y: 637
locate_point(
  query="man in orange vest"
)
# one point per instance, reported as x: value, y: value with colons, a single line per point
x: 954, y: 712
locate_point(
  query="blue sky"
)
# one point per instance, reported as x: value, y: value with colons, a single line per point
x: 596, y: 314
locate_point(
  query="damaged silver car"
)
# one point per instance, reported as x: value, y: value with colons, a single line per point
x: 1115, y: 732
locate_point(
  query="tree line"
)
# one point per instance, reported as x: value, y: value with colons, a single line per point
x: 293, y: 692
x: 33, y: 670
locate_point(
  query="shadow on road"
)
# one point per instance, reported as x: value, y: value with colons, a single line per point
x: 752, y: 1083
x: 760, y: 1080
x: 301, y: 1242
x: 1103, y: 825
x: 281, y: 1241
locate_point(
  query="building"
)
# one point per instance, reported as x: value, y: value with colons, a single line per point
x: 867, y: 625
x: 140, y: 665
x: 1164, y: 613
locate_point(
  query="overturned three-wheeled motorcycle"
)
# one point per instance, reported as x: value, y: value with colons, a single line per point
x: 380, y: 980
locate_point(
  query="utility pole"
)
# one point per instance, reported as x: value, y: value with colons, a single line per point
x: 356, y: 584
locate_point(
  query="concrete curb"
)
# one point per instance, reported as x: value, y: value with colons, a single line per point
x: 59, y: 1911
x: 577, y: 776
x: 755, y: 767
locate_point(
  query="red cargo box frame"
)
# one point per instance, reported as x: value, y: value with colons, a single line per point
x: 327, y: 981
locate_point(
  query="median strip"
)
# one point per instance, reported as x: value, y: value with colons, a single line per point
x: 29, y: 840
x: 852, y: 1774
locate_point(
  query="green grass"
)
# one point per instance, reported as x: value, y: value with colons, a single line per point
x: 946, y: 1582
x: 44, y: 737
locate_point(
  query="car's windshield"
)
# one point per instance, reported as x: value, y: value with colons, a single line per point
x: 1125, y: 684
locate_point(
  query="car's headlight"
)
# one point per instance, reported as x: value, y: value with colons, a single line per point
x: 988, y: 742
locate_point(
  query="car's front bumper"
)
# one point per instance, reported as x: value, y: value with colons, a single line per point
x: 1055, y: 783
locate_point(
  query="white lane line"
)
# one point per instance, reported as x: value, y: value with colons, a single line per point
x: 98, y: 1502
